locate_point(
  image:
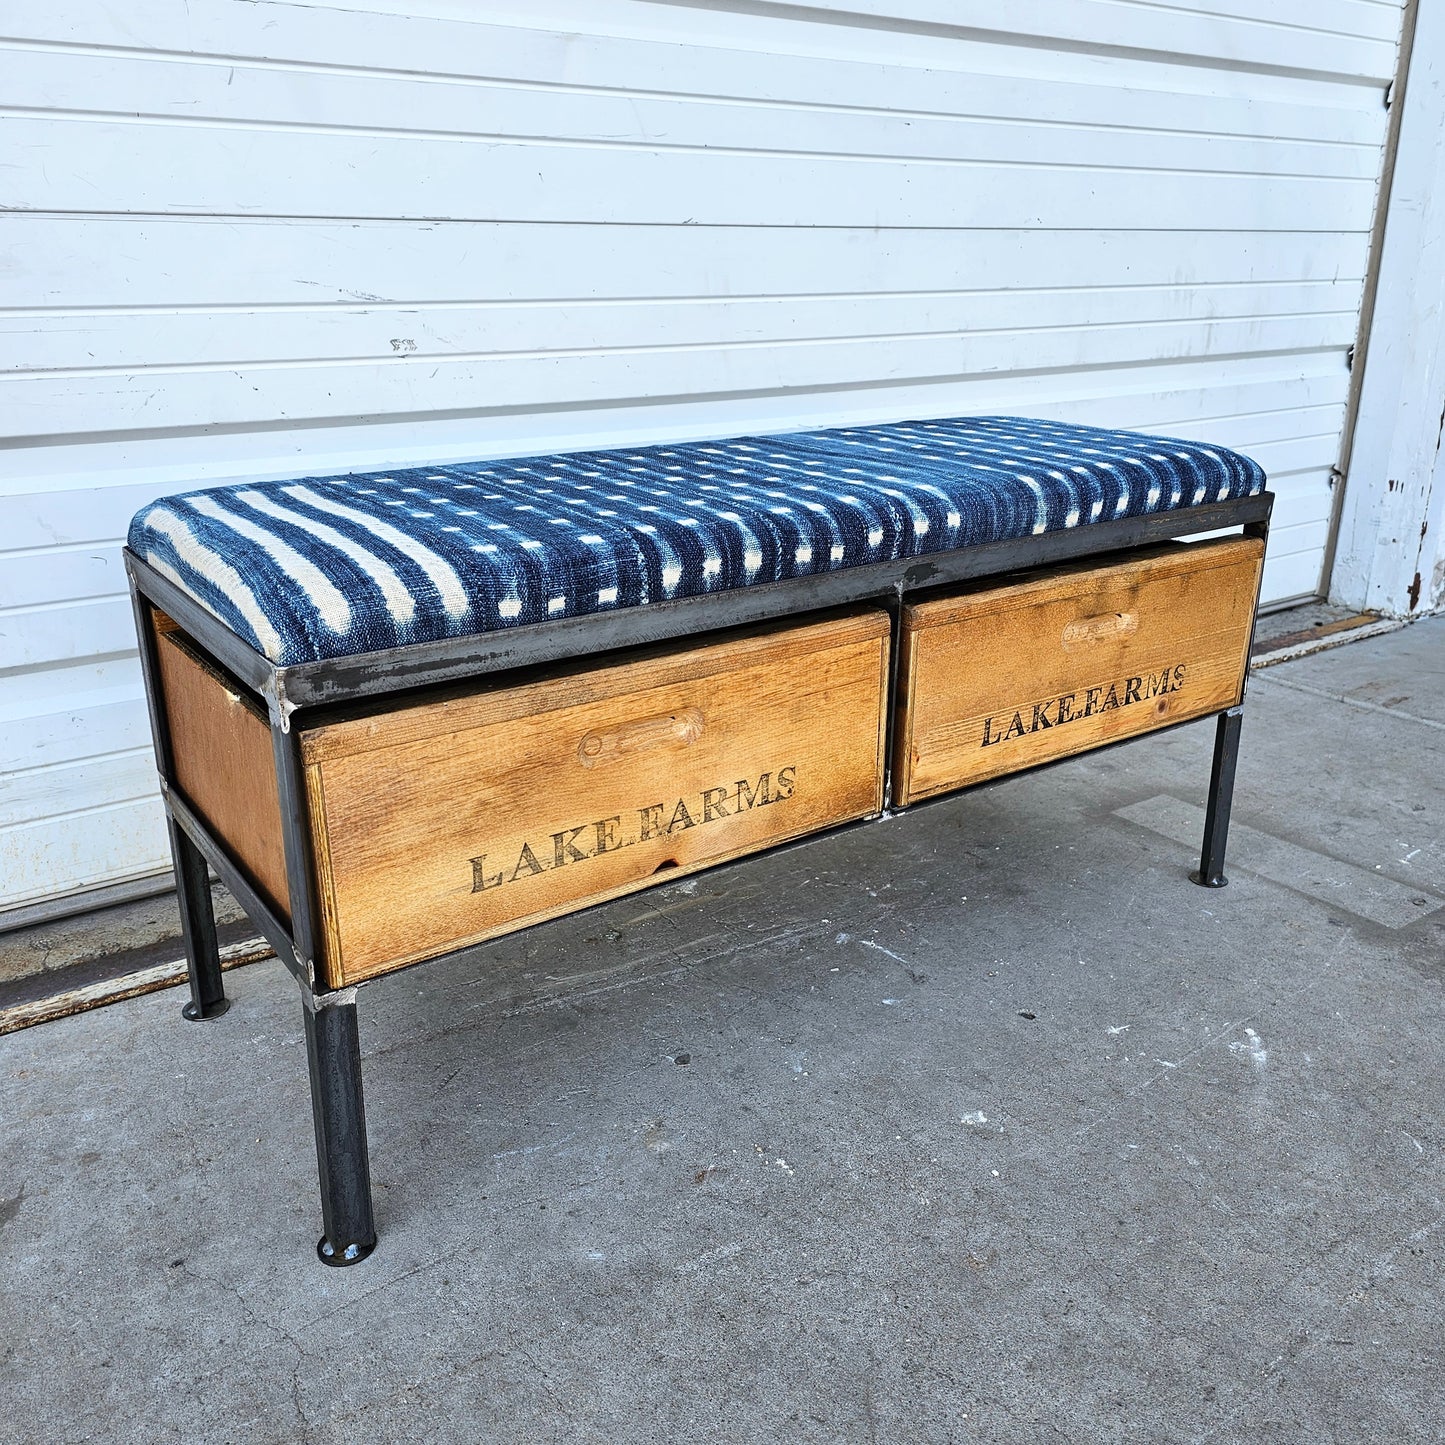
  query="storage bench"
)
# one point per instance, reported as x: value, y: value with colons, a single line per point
x: 400, y: 714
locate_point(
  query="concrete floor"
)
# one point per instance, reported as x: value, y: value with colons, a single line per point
x: 138, y: 933
x: 980, y: 1123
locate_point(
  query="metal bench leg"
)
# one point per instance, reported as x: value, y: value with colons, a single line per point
x: 198, y: 929
x: 333, y: 1055
x: 1221, y: 795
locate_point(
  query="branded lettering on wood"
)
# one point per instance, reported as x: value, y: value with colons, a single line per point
x: 624, y: 830
x: 1075, y: 706
x: 1015, y: 674
x: 452, y: 821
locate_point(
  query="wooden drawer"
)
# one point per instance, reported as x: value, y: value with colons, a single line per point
x: 1057, y: 662
x: 224, y: 764
x: 452, y: 821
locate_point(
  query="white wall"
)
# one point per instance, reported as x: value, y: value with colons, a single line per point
x: 1391, y: 554
x: 262, y: 238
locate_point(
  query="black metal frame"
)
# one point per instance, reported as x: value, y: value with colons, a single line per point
x: 332, y: 1039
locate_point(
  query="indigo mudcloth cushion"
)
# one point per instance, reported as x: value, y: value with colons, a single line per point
x: 328, y: 566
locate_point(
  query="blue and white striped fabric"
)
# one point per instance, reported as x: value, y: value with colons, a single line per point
x: 329, y: 566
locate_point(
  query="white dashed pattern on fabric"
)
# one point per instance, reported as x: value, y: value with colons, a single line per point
x: 320, y: 567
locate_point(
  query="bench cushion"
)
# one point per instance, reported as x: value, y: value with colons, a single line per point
x: 325, y: 567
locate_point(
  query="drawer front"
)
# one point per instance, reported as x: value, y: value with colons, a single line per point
x: 224, y: 765
x: 1014, y: 675
x: 452, y: 822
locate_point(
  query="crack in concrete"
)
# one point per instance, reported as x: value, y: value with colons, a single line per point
x: 303, y: 1421
x: 1356, y: 702
x: 1382, y: 1267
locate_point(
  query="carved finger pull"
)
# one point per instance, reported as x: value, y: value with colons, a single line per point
x: 673, y: 730
x: 1084, y: 630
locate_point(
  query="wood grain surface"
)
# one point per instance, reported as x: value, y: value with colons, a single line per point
x: 1008, y: 676
x: 456, y: 820
x: 224, y: 766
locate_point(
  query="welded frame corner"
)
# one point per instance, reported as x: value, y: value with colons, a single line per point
x: 150, y: 593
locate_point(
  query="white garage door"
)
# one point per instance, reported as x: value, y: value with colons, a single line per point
x: 256, y: 238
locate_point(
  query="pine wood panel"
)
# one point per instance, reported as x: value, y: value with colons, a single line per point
x: 454, y: 821
x: 224, y: 766
x: 1009, y: 676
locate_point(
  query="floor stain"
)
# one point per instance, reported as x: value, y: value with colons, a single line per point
x: 9, y: 1208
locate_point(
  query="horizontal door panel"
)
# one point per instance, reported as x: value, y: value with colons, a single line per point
x: 107, y: 844
x: 60, y: 575
x: 41, y: 405
x: 66, y: 631
x: 84, y: 785
x: 771, y: 55
x: 127, y: 341
x: 1004, y: 119
x: 81, y: 262
x: 110, y: 166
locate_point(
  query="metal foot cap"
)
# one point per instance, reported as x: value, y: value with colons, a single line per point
x: 339, y: 1256
x: 1219, y: 881
x: 195, y: 1014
